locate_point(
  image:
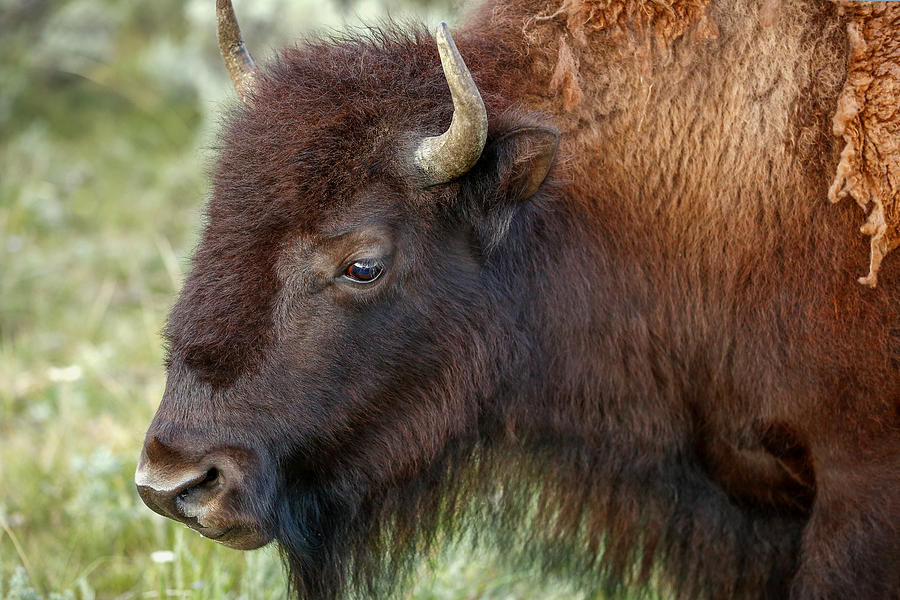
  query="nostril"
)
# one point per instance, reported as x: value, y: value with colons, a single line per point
x: 193, y: 489
x: 212, y: 476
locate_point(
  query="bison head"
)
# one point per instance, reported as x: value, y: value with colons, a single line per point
x: 357, y: 304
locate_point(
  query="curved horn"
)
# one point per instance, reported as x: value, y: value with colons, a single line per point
x: 238, y: 61
x: 449, y: 155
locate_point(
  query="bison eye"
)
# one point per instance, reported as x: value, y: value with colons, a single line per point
x: 364, y: 271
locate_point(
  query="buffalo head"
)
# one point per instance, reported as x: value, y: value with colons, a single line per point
x: 351, y: 311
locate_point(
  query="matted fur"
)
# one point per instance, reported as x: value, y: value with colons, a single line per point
x: 652, y: 370
x: 868, y: 119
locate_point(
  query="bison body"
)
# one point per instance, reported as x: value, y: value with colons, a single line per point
x: 628, y: 340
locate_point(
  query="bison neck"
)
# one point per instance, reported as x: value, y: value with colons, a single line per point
x: 698, y: 241
x: 700, y: 158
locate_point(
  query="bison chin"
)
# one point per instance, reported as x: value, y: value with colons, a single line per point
x: 347, y: 535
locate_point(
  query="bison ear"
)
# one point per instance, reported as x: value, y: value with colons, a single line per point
x: 522, y: 159
x: 511, y: 169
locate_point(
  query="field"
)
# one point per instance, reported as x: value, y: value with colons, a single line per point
x: 108, y: 110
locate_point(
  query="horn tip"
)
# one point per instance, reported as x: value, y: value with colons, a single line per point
x: 442, y: 32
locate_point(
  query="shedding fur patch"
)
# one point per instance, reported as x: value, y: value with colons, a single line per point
x: 565, y: 77
x: 868, y: 118
x: 667, y: 18
x: 659, y: 21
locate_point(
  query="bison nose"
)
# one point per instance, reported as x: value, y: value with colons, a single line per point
x: 188, y: 485
x: 182, y: 496
x: 217, y: 492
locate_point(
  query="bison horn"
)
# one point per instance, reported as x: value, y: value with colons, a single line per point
x: 454, y: 152
x: 238, y: 61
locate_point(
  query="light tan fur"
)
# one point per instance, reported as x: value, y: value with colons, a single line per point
x: 712, y: 118
x: 868, y: 119
x: 724, y: 97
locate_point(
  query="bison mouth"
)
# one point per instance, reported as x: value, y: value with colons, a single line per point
x: 239, y: 537
x: 214, y: 522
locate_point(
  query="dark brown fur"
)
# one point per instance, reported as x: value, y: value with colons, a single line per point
x: 661, y: 362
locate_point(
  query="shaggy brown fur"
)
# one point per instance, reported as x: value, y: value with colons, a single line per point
x: 656, y: 368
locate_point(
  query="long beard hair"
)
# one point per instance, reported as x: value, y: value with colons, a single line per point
x: 562, y: 510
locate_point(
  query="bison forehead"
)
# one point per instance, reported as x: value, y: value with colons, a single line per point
x: 326, y: 118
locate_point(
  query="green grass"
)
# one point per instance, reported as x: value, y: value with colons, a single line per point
x: 107, y: 109
x: 101, y: 182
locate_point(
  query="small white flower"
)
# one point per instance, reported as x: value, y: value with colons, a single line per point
x: 64, y: 374
x: 13, y: 244
x: 162, y: 556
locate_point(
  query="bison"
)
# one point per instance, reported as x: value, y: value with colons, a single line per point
x: 573, y: 286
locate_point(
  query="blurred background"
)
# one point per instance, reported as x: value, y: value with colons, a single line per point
x: 108, y: 112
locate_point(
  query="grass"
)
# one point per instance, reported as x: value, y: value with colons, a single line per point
x: 107, y: 111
